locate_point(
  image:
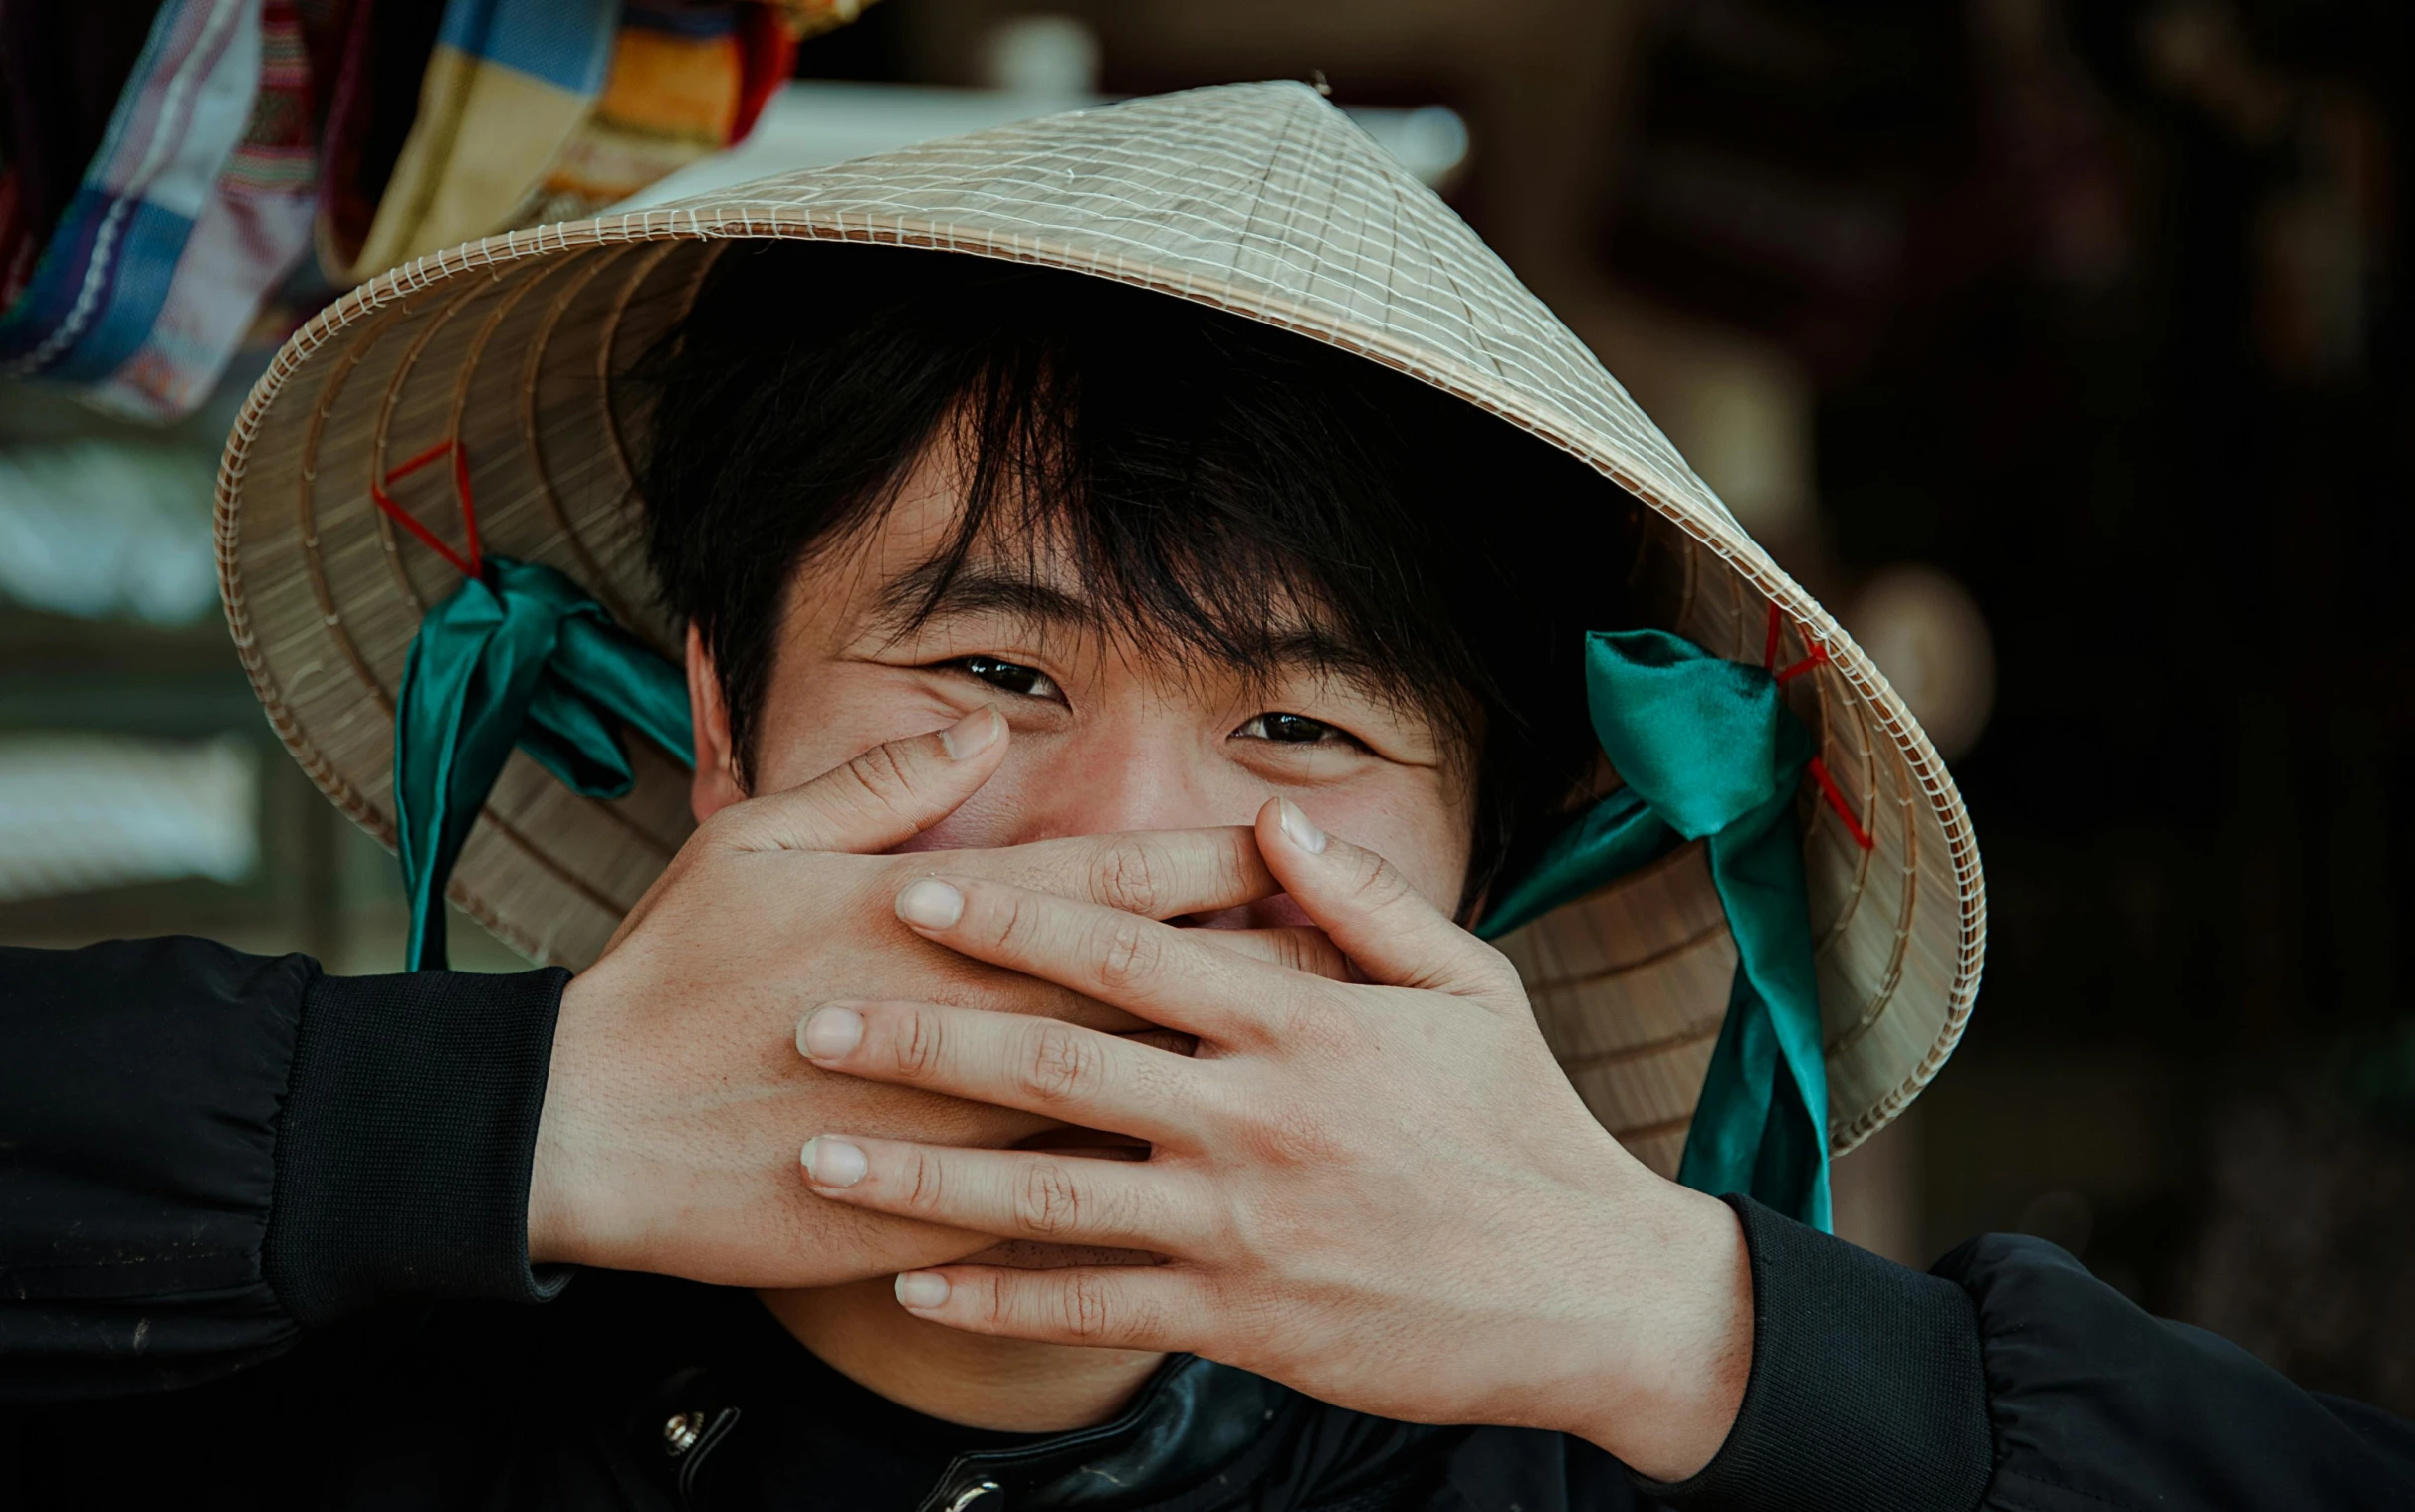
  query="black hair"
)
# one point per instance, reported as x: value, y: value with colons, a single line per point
x: 1226, y: 490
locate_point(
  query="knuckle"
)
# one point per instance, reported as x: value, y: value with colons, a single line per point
x: 1050, y: 1202
x: 1064, y: 1065
x: 917, y: 1043
x: 923, y: 1184
x: 881, y: 777
x: 997, y: 1304
x: 1128, y: 875
x: 1086, y: 1309
x: 1018, y: 925
x: 1128, y: 954
x: 1372, y: 881
x: 1310, y: 952
x: 1496, y: 966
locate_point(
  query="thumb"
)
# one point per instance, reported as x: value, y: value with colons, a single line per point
x: 1370, y: 910
x: 884, y: 797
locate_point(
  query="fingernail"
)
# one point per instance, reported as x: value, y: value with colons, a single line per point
x: 833, y: 1162
x: 920, y: 1288
x: 1298, y: 830
x: 971, y: 735
x: 931, y: 903
x: 829, y: 1032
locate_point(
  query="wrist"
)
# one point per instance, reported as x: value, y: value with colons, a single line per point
x: 1666, y: 1377
x: 559, y: 1218
x: 553, y: 1215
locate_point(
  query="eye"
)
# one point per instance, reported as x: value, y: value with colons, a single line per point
x: 1289, y: 730
x: 1029, y: 682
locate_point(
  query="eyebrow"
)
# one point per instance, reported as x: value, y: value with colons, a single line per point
x: 939, y: 587
x: 938, y: 590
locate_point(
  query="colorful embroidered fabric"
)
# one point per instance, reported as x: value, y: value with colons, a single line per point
x: 62, y: 69
x: 506, y: 85
x: 253, y: 232
x: 195, y: 204
x: 250, y: 132
x: 676, y: 89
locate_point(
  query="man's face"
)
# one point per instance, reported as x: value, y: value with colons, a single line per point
x: 1106, y: 737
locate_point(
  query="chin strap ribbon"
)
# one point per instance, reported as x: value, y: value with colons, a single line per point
x: 518, y: 655
x: 1707, y: 749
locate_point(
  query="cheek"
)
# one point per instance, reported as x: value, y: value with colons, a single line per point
x: 1412, y: 819
x: 990, y: 818
x: 849, y: 709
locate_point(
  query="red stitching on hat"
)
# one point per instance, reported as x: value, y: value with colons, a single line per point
x: 1818, y: 655
x: 474, y: 565
x: 1817, y: 767
x: 1836, y: 800
x: 469, y: 515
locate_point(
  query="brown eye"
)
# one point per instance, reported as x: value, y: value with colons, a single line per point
x: 1013, y: 677
x: 1288, y: 730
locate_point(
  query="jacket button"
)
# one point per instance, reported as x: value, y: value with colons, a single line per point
x: 679, y: 1432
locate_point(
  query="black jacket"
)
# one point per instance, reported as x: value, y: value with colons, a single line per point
x: 263, y: 1241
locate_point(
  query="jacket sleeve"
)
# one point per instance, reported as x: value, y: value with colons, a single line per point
x: 2010, y: 1380
x: 203, y: 1153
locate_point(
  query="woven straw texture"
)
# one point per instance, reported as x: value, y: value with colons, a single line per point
x: 1259, y: 199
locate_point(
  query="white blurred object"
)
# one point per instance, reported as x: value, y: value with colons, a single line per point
x: 1927, y: 635
x: 1045, y: 57
x: 1431, y: 142
x: 1753, y: 423
x: 108, y: 529
x: 811, y: 123
x: 85, y: 812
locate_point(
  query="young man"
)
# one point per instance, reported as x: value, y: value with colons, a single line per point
x: 1291, y: 1206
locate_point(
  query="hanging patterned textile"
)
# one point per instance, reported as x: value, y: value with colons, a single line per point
x: 196, y: 204
x: 137, y: 254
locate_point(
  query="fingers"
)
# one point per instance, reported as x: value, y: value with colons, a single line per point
x: 1038, y: 1065
x: 1157, y: 874
x: 1012, y: 1193
x: 1371, y: 912
x: 882, y: 799
x: 1159, y: 1307
x: 1293, y: 947
x: 1164, y: 974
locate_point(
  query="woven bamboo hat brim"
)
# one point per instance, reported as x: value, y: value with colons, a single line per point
x: 1258, y: 199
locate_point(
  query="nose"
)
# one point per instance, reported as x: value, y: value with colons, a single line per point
x: 1144, y: 775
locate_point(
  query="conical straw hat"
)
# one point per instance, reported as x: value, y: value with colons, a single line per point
x: 1258, y: 199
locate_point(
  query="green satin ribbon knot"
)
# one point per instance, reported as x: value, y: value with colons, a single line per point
x: 519, y: 656
x: 1708, y: 748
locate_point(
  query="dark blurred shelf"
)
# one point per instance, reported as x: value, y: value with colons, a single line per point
x: 184, y: 681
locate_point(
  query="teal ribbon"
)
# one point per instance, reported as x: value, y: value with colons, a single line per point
x: 519, y: 656
x: 1708, y: 748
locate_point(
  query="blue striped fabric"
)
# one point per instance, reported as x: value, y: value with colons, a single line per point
x: 104, y: 272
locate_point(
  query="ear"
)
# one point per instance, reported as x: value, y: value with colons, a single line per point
x: 715, y: 785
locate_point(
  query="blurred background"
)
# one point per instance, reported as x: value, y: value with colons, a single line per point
x: 2062, y: 348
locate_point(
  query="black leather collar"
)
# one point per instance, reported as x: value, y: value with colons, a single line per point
x: 717, y: 1426
x: 1193, y: 1423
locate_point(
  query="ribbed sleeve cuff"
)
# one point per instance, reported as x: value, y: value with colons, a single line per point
x: 1867, y: 1390
x: 407, y: 1139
